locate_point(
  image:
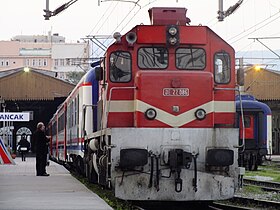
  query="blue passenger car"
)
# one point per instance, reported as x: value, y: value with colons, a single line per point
x: 257, y: 131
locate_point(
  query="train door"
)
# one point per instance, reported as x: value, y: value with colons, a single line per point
x: 250, y: 155
x: 250, y: 126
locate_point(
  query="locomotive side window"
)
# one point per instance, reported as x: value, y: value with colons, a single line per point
x: 222, y: 68
x: 190, y: 58
x: 152, y: 58
x: 120, y: 66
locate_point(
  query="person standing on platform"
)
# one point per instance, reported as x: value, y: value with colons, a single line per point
x: 23, y: 146
x: 41, y: 148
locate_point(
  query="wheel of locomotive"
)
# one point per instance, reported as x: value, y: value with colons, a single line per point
x: 250, y: 164
x: 79, y: 165
x: 241, y: 161
x: 247, y: 161
x: 260, y: 159
x: 91, y: 174
x: 255, y: 162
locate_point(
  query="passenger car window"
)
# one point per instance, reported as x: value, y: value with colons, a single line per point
x: 120, y: 66
x: 222, y: 68
x: 190, y: 58
x: 247, y: 121
x: 152, y: 58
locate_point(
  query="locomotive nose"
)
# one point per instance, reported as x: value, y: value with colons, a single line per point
x: 177, y: 99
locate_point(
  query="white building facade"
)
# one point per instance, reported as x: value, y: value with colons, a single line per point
x: 49, y: 52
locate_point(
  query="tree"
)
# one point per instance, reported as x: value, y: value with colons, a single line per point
x: 74, y: 76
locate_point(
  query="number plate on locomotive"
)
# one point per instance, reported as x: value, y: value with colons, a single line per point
x: 175, y: 92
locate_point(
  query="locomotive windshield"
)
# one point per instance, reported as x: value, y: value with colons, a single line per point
x: 152, y: 58
x: 190, y: 58
x: 120, y: 66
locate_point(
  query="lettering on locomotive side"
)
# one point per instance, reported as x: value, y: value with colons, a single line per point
x: 175, y: 91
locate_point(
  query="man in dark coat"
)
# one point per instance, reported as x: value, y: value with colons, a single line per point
x: 41, y: 148
x: 24, y: 146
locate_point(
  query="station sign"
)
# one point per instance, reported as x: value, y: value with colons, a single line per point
x: 14, y: 116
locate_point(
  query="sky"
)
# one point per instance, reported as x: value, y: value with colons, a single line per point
x: 253, y: 19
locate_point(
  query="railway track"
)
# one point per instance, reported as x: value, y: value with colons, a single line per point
x: 222, y: 206
x: 237, y: 203
x: 265, y: 204
x: 194, y: 206
x: 244, y: 203
x: 264, y: 185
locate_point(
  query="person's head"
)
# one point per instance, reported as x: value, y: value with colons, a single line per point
x: 41, y: 126
x: 23, y: 136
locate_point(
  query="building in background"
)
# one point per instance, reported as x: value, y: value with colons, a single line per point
x: 49, y: 52
x: 38, y: 92
x: 264, y: 85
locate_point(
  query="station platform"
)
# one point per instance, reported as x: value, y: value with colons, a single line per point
x: 21, y: 189
x: 275, y: 158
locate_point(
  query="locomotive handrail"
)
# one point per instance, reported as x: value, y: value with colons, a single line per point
x: 242, y: 117
x: 109, y: 101
x: 84, y: 117
x: 236, y: 89
x: 84, y: 133
x: 243, y: 124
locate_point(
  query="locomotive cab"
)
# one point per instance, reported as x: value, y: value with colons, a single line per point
x: 173, y: 68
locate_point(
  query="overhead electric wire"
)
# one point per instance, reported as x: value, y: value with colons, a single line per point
x: 105, y: 20
x: 107, y: 10
x: 258, y: 28
x: 248, y: 45
x: 247, y: 31
x: 262, y: 24
x: 101, y: 18
x: 142, y: 7
x: 136, y: 14
x: 110, y: 13
x: 120, y: 23
x: 255, y: 26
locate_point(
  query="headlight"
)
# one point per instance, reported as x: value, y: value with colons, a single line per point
x: 200, y: 114
x: 172, y: 40
x: 172, y: 35
x: 172, y: 31
x: 150, y: 114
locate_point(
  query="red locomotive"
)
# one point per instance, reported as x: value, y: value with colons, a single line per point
x: 162, y: 127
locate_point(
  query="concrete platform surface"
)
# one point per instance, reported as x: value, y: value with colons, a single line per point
x: 275, y: 158
x: 20, y: 189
